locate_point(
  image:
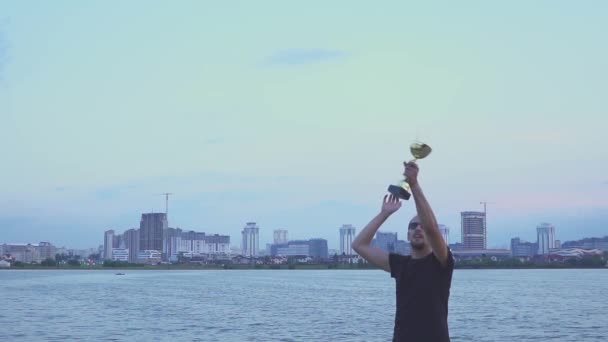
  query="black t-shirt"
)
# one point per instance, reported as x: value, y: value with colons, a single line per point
x: 423, y: 289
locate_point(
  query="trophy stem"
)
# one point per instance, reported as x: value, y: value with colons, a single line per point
x: 419, y: 151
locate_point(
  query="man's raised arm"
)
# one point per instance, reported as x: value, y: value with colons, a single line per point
x: 363, y: 242
x: 426, y: 215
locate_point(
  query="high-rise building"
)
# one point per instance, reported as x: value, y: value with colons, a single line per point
x: 131, y: 238
x: 198, y: 243
x: 385, y: 241
x: 118, y: 241
x: 545, y: 233
x: 151, y: 230
x: 520, y: 248
x: 171, y: 242
x: 473, y: 225
x: 251, y: 239
x: 217, y: 244
x: 108, y: 244
x: 347, y: 235
x: 280, y: 236
x: 318, y: 249
x: 294, y: 248
x: 192, y: 242
x: 445, y: 232
x: 46, y: 250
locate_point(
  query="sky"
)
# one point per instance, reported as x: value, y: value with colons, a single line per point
x: 298, y: 116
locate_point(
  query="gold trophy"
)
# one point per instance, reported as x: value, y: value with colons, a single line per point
x: 402, y: 190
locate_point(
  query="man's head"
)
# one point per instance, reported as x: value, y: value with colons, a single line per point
x: 415, y: 234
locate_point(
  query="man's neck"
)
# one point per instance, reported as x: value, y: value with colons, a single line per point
x: 421, y: 253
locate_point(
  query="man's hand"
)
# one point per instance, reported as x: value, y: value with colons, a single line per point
x: 411, y: 173
x: 362, y: 244
x: 390, y: 204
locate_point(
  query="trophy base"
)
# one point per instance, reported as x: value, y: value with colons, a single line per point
x: 399, y: 192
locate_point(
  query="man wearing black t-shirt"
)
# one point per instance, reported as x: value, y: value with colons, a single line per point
x: 423, y: 279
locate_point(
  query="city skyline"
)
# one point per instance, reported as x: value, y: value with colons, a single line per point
x: 297, y: 125
x: 545, y: 236
x: 119, y: 246
x: 340, y: 242
x: 130, y: 238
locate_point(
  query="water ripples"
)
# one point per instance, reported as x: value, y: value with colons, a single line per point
x: 292, y: 305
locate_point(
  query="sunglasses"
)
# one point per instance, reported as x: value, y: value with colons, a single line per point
x: 413, y: 225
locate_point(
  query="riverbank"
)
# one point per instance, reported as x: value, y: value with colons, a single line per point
x: 279, y: 267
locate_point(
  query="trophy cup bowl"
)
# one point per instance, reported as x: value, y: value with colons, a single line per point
x: 402, y: 188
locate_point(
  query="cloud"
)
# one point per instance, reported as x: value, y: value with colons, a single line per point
x: 292, y: 57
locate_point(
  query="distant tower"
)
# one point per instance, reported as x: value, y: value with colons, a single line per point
x: 280, y: 236
x: 108, y: 244
x: 131, y: 237
x: 251, y: 239
x: 151, y: 230
x: 473, y: 225
x: 347, y: 235
x: 545, y: 233
x: 445, y: 232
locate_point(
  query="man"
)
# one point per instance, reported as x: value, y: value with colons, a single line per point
x: 423, y: 279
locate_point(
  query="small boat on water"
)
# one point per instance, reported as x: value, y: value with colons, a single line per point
x: 119, y: 273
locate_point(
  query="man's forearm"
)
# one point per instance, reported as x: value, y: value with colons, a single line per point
x: 365, y: 237
x: 423, y: 208
x: 429, y: 224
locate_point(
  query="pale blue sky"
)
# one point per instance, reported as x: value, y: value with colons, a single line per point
x: 298, y: 115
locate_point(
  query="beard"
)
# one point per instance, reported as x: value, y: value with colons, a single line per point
x: 417, y: 245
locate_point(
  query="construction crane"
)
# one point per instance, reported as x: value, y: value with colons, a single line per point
x: 166, y: 194
x: 485, y: 205
x: 485, y: 212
